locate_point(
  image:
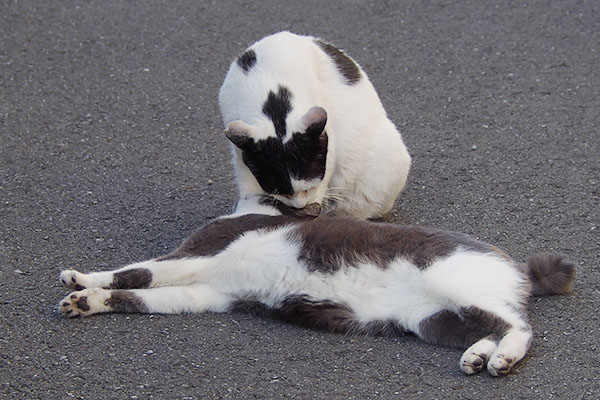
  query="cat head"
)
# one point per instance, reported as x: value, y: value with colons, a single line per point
x: 288, y: 166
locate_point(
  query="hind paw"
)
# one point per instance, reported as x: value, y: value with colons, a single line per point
x: 475, y: 357
x: 83, y: 303
x: 500, y: 365
x: 73, y: 280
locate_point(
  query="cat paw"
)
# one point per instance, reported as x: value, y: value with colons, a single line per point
x: 475, y: 357
x: 83, y: 303
x: 500, y: 365
x: 472, y: 363
x: 73, y: 280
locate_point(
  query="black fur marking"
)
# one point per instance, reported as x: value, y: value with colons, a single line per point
x: 247, y: 60
x: 136, y: 278
x: 273, y: 163
x: 220, y: 233
x: 345, y: 65
x: 82, y: 303
x: 321, y: 315
x: 266, y: 159
x: 277, y: 107
x: 328, y: 243
x: 550, y: 273
x: 472, y: 324
x: 125, y: 301
x: 306, y: 155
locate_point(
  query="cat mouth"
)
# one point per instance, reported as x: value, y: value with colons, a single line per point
x: 310, y: 210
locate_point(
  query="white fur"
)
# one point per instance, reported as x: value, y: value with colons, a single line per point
x: 367, y: 162
x: 263, y: 265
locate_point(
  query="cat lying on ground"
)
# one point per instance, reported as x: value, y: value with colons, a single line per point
x: 308, y: 127
x: 343, y: 275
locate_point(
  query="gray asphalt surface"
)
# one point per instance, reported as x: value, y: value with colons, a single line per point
x: 112, y: 152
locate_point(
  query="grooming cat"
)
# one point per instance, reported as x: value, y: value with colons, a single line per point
x: 308, y: 127
x: 344, y: 275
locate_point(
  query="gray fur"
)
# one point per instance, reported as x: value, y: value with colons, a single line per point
x: 125, y: 301
x: 550, y: 273
x: 461, y: 329
x: 328, y: 243
x: 137, y: 278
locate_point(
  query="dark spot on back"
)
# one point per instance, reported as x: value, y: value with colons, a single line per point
x: 345, y: 65
x: 330, y: 242
x: 247, y: 60
x: 277, y: 107
x: 220, y: 233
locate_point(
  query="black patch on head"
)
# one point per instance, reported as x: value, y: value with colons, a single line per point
x: 247, y: 60
x: 220, y: 233
x: 345, y: 65
x: 329, y: 243
x: 307, y: 155
x: 125, y: 301
x: 321, y: 315
x: 136, y: 278
x: 274, y: 163
x: 447, y: 328
x: 266, y: 159
x: 277, y: 107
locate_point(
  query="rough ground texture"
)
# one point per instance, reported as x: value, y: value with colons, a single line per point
x: 111, y: 151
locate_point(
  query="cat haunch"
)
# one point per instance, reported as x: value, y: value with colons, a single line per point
x: 340, y: 275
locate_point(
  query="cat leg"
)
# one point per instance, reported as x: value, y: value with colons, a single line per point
x: 511, y: 349
x: 152, y: 273
x: 469, y: 327
x: 164, y: 300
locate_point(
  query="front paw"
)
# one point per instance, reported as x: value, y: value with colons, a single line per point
x: 85, y: 302
x: 73, y: 280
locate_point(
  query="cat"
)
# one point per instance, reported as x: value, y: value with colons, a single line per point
x: 307, y: 127
x: 344, y: 275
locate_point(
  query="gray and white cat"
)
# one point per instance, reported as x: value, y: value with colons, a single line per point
x: 343, y: 275
x: 308, y: 128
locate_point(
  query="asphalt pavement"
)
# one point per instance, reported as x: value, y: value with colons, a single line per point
x: 111, y: 151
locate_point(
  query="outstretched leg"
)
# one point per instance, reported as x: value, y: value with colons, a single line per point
x: 165, y: 300
x: 511, y: 348
x: 152, y: 273
x: 490, y: 339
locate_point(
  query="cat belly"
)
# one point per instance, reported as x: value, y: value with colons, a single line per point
x: 403, y: 293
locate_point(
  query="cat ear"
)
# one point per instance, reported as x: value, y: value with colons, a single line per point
x: 239, y: 133
x: 314, y: 120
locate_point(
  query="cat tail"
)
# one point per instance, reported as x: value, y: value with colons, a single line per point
x: 550, y: 273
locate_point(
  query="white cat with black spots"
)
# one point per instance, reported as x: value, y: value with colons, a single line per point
x: 340, y: 275
x: 308, y: 127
